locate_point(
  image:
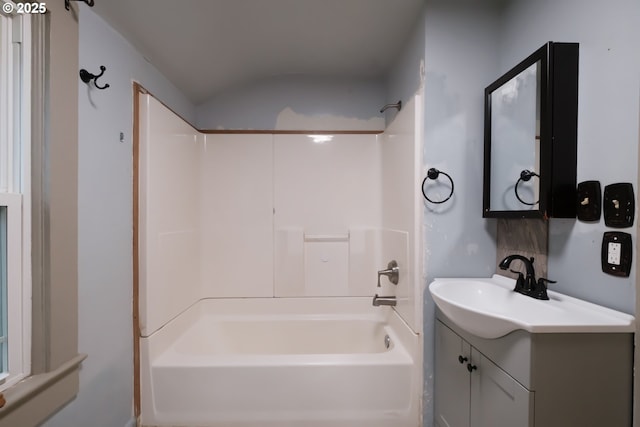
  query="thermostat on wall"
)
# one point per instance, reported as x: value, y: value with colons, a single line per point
x: 616, y: 253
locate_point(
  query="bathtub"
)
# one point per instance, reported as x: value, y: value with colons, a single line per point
x: 285, y: 362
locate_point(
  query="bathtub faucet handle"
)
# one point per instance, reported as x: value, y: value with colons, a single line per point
x: 392, y: 272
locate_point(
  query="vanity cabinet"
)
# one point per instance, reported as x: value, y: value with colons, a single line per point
x: 473, y: 391
x: 532, y: 380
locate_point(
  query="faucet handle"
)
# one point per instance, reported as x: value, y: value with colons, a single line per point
x: 392, y: 272
x: 540, y: 292
x: 542, y: 282
x: 519, y: 281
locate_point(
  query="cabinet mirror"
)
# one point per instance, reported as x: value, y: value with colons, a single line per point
x: 530, y: 136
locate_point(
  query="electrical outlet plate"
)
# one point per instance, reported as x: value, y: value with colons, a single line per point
x: 616, y: 253
x: 613, y: 253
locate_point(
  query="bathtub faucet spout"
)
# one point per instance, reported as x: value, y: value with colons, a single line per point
x: 378, y: 301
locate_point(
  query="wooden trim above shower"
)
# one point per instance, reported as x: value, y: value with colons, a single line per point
x: 290, y: 132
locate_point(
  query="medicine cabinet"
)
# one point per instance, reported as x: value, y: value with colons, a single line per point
x: 530, y: 137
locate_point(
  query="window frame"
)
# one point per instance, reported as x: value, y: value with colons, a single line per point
x: 15, y: 194
x: 17, y: 312
x: 55, y: 361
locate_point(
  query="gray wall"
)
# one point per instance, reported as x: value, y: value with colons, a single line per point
x: 460, y: 43
x: 467, y: 46
x: 460, y: 38
x: 259, y: 105
x: 105, y: 224
x: 608, y: 121
x: 407, y: 75
x: 608, y: 112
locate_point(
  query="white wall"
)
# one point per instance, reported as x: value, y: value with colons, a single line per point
x: 169, y: 225
x: 402, y: 208
x: 326, y: 198
x: 237, y: 216
x: 312, y: 215
x: 608, y: 124
x: 296, y: 208
x: 105, y: 224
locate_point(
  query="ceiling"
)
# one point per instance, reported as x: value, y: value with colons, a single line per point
x: 207, y: 46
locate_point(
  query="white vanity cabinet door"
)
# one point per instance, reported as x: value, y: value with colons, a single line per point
x: 452, y: 382
x: 472, y: 391
x: 497, y: 400
x: 527, y: 380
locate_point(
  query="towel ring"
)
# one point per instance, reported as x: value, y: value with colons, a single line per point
x: 434, y: 173
x: 525, y: 176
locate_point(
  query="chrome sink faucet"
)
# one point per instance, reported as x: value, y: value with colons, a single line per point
x: 527, y: 285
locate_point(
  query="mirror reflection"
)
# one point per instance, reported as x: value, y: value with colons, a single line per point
x: 515, y: 142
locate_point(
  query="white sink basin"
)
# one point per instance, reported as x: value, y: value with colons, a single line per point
x: 489, y: 308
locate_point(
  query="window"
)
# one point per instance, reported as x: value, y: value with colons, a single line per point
x: 15, y: 269
x: 4, y: 364
x: 39, y: 100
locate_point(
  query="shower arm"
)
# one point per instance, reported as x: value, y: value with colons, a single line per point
x: 397, y: 105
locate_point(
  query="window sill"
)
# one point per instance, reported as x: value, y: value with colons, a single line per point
x: 37, y: 397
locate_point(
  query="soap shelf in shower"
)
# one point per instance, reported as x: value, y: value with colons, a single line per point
x: 326, y: 237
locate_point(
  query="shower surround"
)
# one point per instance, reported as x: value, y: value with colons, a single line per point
x: 258, y: 256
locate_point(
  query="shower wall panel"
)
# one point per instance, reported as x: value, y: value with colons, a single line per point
x: 323, y: 188
x: 237, y: 216
x: 169, y: 221
x: 261, y: 215
x: 402, y: 207
x: 327, y: 186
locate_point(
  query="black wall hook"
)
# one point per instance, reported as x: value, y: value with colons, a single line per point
x: 87, y: 77
x: 89, y: 3
x: 434, y: 173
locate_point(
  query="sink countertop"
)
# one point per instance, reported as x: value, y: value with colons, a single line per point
x: 488, y: 308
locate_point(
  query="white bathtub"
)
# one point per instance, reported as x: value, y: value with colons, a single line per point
x: 285, y: 362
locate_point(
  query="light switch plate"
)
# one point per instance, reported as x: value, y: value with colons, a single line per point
x: 616, y: 253
x: 619, y: 205
x: 589, y: 201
